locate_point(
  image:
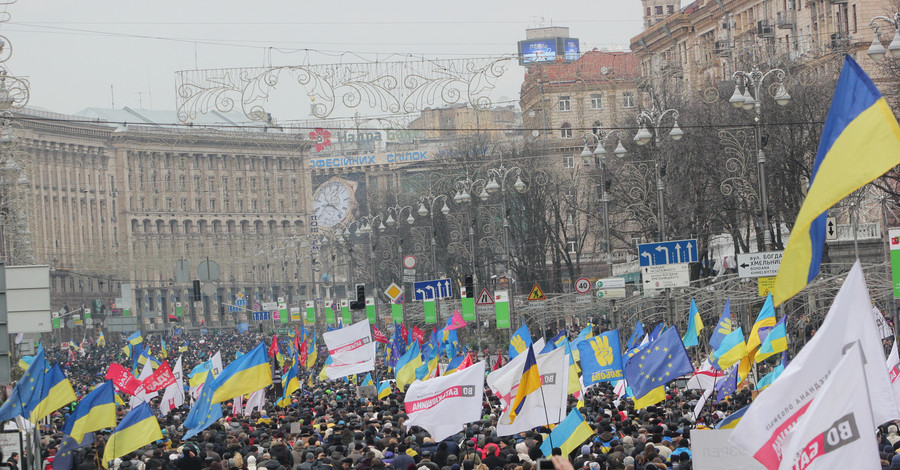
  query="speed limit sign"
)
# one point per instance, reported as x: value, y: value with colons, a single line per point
x: 583, y: 285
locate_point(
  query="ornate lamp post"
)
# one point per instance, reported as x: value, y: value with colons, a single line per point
x: 752, y: 82
x: 426, y: 209
x: 877, y: 51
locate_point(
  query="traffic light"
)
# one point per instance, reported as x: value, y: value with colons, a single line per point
x: 197, y: 297
x: 360, y: 302
x: 470, y: 287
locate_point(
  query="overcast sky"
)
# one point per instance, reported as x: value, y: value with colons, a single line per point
x: 74, y: 51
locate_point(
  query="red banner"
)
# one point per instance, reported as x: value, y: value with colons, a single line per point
x: 418, y: 335
x: 303, y: 353
x: 123, y: 379
x: 161, y: 378
x: 378, y: 335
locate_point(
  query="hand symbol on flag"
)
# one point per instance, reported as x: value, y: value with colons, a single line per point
x: 518, y: 343
x: 602, y: 351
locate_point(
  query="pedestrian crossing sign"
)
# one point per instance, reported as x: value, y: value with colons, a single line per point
x: 536, y: 293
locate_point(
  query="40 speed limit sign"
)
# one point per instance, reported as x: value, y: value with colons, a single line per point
x: 583, y: 285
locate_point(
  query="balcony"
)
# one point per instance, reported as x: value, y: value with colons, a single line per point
x: 839, y: 41
x: 765, y: 29
x: 785, y: 19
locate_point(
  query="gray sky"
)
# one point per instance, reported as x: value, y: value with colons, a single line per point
x: 72, y: 51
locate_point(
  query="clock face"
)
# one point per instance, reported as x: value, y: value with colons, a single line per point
x: 331, y: 202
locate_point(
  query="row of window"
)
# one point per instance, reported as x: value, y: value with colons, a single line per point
x: 658, y: 10
x: 565, y: 101
x: 215, y: 162
x: 236, y: 184
x: 153, y: 204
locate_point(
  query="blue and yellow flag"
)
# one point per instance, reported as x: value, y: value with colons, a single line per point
x: 163, y: 352
x: 635, y: 336
x: 530, y: 382
x: 695, y: 326
x: 312, y: 353
x: 731, y: 351
x: 775, y: 342
x: 27, y: 389
x: 765, y: 319
x: 723, y: 328
x: 291, y: 384
x: 732, y: 420
x: 95, y: 411
x: 569, y: 434
x: 860, y: 142
x: 101, y: 340
x: 454, y: 364
x: 137, y: 429
x: 247, y: 374
x: 405, y: 371
x: 25, y: 362
x: 655, y: 365
x: 367, y: 380
x: 519, y: 341
x: 601, y: 358
x: 56, y: 392
x: 771, y: 376
x: 136, y: 338
x: 384, y: 389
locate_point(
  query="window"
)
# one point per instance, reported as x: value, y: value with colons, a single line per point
x: 281, y: 205
x: 565, y: 103
x: 227, y: 205
x: 648, y: 11
x: 658, y: 9
x: 252, y: 184
x: 254, y: 206
x: 239, y: 184
x: 182, y: 181
x: 569, y: 161
x: 197, y: 183
x: 225, y: 184
x: 570, y: 244
x: 198, y: 204
x: 212, y: 205
x: 628, y: 99
x: 596, y: 100
x: 853, y: 18
x: 565, y: 131
x: 240, y: 205
x: 168, y: 203
x: 670, y: 9
x: 211, y: 183
x: 184, y: 204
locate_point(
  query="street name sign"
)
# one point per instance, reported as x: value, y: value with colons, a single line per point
x: 434, y: 289
x: 611, y: 282
x: 612, y: 293
x: 763, y: 264
x: 673, y: 252
x: 665, y: 276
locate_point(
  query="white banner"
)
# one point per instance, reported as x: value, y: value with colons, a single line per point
x: 712, y: 451
x: 442, y: 405
x: 352, y: 350
x: 141, y: 396
x: 544, y: 406
x: 893, y: 365
x: 837, y: 431
x: 502, y: 380
x: 705, y: 377
x: 771, y: 418
x: 173, y: 396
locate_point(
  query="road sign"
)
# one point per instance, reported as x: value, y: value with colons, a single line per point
x: 665, y: 276
x: 763, y: 264
x: 830, y: 229
x: 434, y: 289
x: 677, y: 251
x: 240, y: 302
x: 611, y: 282
x: 583, y: 285
x: 393, y: 291
x: 182, y: 271
x: 262, y: 316
x: 612, y: 293
x: 894, y: 243
x: 409, y: 278
x: 208, y: 271
x: 89, y: 321
x: 583, y: 299
x: 484, y: 298
x: 269, y: 306
x: 766, y: 284
x: 536, y: 293
x: 208, y: 289
x: 409, y: 262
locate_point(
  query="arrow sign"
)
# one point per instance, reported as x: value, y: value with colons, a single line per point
x: 830, y: 228
x: 672, y: 252
x: 434, y: 289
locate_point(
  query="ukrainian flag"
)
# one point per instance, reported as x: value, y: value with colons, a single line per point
x: 97, y: 410
x: 56, y: 392
x: 118, y: 399
x: 731, y: 421
x: 860, y: 142
x: 163, y: 353
x: 136, y: 338
x: 247, y: 374
x: 695, y: 326
x: 384, y: 389
x: 137, y: 429
x: 775, y: 342
x: 291, y: 384
x: 101, y: 340
x: 530, y: 382
x: 765, y: 319
x: 405, y: 371
x: 25, y: 362
x: 26, y: 389
x: 312, y: 353
x: 323, y: 375
x: 368, y: 380
x: 732, y: 349
x: 453, y: 366
x: 723, y: 327
x: 568, y: 435
x: 574, y: 378
x: 198, y: 374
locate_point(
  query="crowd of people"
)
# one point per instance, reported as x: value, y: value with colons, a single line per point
x: 330, y: 426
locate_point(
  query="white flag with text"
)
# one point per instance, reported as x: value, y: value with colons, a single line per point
x: 547, y: 405
x: 352, y: 350
x: 173, y: 396
x: 442, y: 405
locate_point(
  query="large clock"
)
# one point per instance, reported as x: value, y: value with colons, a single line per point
x: 333, y: 201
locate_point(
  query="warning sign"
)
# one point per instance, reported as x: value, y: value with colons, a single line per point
x: 536, y: 293
x: 766, y: 284
x: 484, y: 298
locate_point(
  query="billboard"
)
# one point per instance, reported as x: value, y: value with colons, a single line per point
x: 548, y: 50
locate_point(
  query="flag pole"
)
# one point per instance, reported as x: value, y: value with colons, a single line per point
x: 546, y: 416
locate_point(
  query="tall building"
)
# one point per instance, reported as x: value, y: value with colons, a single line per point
x: 459, y: 120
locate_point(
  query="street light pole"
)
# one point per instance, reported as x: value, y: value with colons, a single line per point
x: 652, y: 120
x: 754, y: 80
x: 426, y: 208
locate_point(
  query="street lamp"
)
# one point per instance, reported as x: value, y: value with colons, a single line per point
x: 752, y: 82
x: 425, y: 203
x: 650, y: 122
x: 877, y: 51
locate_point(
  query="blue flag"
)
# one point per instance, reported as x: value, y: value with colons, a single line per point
x: 601, y: 358
x: 636, y: 336
x: 723, y: 328
x: 519, y: 341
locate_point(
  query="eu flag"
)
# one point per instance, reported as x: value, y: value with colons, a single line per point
x: 656, y: 364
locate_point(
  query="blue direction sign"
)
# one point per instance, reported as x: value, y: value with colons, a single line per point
x: 436, y: 289
x: 677, y: 251
x: 262, y: 316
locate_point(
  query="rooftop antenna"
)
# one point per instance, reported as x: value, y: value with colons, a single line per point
x: 112, y: 95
